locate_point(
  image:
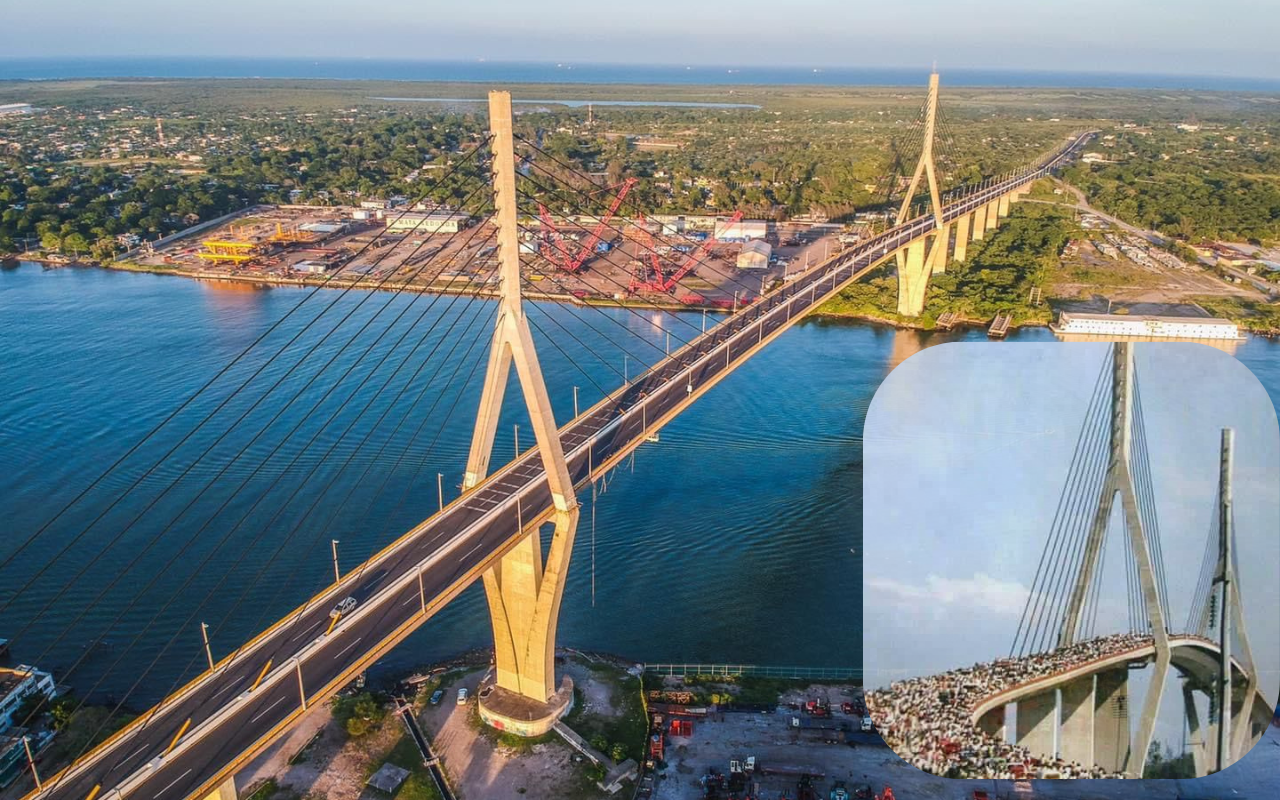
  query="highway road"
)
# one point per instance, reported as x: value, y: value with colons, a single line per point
x: 206, y: 730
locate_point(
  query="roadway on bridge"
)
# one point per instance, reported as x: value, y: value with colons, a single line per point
x: 224, y: 717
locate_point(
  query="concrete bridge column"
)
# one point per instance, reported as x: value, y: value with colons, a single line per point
x: 963, y: 224
x: 1111, y: 720
x: 1002, y: 206
x: 913, y: 279
x: 1076, y: 735
x: 1036, y: 727
x: 225, y: 791
x: 979, y: 224
x: 1200, y: 740
x: 993, y: 214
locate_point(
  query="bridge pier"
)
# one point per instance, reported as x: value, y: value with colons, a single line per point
x: 1111, y: 720
x: 1002, y: 206
x: 979, y: 224
x: 1076, y: 731
x: 993, y: 215
x: 963, y: 224
x: 993, y: 724
x: 938, y: 253
x: 913, y: 278
x: 1036, y: 726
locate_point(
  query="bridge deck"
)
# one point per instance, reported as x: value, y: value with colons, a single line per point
x: 236, y: 710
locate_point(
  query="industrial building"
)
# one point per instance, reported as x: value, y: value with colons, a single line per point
x: 755, y: 255
x: 1146, y: 326
x: 16, y: 684
x: 741, y: 231
x: 428, y: 223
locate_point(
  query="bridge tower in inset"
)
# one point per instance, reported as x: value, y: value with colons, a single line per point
x: 524, y: 588
x: 1118, y: 482
x: 1229, y: 733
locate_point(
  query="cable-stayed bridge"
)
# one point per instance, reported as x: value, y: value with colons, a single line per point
x: 1067, y: 673
x: 191, y: 743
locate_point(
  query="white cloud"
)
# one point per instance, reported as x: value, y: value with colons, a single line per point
x: 981, y: 593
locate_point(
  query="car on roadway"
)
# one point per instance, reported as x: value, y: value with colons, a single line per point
x: 343, y: 608
x: 462, y: 696
x: 437, y: 696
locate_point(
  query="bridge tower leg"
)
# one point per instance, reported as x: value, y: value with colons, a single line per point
x: 1198, y: 739
x: 523, y: 589
x: 963, y: 224
x: 1119, y: 483
x: 913, y: 278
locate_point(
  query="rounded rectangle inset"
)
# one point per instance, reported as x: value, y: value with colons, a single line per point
x: 1070, y: 559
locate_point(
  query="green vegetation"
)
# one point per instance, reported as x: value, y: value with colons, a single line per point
x: 1164, y: 764
x: 80, y: 730
x: 619, y: 736
x: 1215, y: 183
x: 418, y: 786
x: 996, y: 278
x: 1256, y: 316
x: 359, y: 714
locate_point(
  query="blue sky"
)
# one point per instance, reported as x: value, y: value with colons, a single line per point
x: 1230, y: 37
x: 967, y: 449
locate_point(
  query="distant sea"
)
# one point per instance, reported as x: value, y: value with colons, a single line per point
x: 552, y: 72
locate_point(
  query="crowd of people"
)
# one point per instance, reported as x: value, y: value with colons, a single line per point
x: 928, y: 721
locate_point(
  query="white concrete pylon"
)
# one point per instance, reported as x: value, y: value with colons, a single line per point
x: 524, y: 591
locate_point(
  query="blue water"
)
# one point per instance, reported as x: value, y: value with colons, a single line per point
x: 733, y: 539
x: 550, y: 72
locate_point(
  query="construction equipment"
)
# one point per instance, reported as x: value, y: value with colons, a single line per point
x: 572, y: 262
x: 665, y: 284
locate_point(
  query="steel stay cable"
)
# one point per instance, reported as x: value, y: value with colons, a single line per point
x: 139, y: 553
x: 187, y: 402
x: 1080, y: 519
x: 142, y: 552
x: 1033, y: 613
x: 263, y: 530
x: 102, y: 550
x: 245, y: 551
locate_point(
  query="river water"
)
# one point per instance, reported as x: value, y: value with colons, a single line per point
x: 733, y: 539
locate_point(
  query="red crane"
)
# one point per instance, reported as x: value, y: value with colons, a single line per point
x: 647, y: 259
x: 667, y: 284
x: 573, y: 262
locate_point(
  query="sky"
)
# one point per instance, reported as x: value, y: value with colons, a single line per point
x: 1225, y: 37
x: 967, y: 449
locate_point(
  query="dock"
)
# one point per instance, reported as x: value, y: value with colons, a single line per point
x: 1000, y: 326
x: 947, y: 320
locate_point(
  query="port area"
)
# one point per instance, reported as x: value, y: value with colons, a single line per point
x: 637, y: 262
x: 760, y: 738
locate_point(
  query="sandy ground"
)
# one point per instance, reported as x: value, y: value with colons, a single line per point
x: 478, y: 770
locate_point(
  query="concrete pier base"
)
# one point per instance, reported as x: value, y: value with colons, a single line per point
x: 979, y: 224
x: 512, y: 712
x: 225, y: 791
x: 962, y: 237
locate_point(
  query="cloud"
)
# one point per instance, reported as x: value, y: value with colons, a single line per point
x: 981, y: 593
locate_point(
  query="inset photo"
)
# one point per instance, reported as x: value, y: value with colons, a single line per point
x: 1070, y: 559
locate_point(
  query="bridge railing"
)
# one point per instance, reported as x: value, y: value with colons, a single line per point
x: 757, y: 671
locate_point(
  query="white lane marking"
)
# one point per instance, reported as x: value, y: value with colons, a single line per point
x: 267, y: 710
x: 231, y: 685
x: 340, y: 653
x: 170, y: 786
x: 133, y: 755
x: 308, y: 630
